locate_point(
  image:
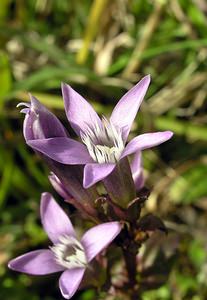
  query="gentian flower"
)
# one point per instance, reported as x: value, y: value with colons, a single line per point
x: 68, y: 254
x: 104, y: 142
x: 40, y: 123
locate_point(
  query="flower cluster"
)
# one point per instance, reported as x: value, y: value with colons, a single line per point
x: 68, y: 254
x: 101, y: 155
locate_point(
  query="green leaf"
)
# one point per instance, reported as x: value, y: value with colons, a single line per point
x: 5, y: 77
x: 192, y: 131
x: 4, y: 9
x: 197, y: 253
x: 190, y: 186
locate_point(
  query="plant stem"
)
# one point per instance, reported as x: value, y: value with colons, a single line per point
x: 130, y: 260
x: 130, y: 250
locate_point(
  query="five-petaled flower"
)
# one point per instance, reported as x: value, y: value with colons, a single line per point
x: 104, y: 142
x: 68, y: 254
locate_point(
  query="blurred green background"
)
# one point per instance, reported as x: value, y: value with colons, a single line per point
x: 102, y: 48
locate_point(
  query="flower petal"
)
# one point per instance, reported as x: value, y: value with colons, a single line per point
x: 38, y: 262
x: 58, y: 186
x: 62, y: 149
x: 24, y: 110
x: 79, y: 112
x: 95, y: 172
x: 69, y: 281
x: 99, y: 237
x: 54, y: 220
x: 126, y: 109
x: 137, y: 170
x: 40, y: 123
x: 145, y: 141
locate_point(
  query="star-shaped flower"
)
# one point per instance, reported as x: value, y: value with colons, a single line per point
x: 68, y: 254
x: 104, y: 142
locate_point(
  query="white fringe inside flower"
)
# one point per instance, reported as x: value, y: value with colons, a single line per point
x: 104, y: 143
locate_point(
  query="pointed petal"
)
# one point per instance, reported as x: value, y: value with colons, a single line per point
x: 59, y: 186
x: 64, y: 150
x: 95, y: 172
x: 137, y: 170
x: 40, y: 123
x: 79, y: 112
x: 145, y: 141
x: 38, y: 262
x: 70, y: 281
x: 126, y: 109
x: 54, y: 220
x: 99, y: 237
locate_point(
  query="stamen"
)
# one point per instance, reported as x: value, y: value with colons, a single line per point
x: 69, y: 253
x: 104, y: 143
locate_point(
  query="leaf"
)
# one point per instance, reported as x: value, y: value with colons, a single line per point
x: 5, y: 77
x: 197, y: 253
x: 185, y: 128
x: 151, y: 223
x: 190, y: 186
x: 7, y: 174
x: 4, y: 9
x: 134, y: 207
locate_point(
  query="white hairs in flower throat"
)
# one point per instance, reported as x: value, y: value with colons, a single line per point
x: 104, y: 142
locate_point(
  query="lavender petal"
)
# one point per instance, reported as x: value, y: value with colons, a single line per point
x: 137, y: 170
x: 41, y: 123
x: 69, y: 281
x: 99, y: 237
x: 145, y: 141
x: 95, y: 172
x: 38, y: 262
x: 54, y: 220
x: 126, y: 109
x: 63, y: 150
x: 79, y: 112
x: 58, y: 186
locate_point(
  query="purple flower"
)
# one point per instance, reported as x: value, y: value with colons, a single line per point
x: 40, y: 124
x: 104, y: 142
x: 68, y: 254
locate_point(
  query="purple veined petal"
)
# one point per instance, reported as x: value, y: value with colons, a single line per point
x: 62, y: 149
x: 137, y: 170
x: 69, y: 281
x: 126, y: 109
x: 145, y: 141
x: 95, y: 172
x: 99, y: 237
x: 38, y: 262
x: 54, y: 220
x: 39, y: 122
x: 79, y: 112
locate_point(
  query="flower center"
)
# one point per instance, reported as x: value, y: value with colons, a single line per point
x: 104, y: 143
x: 69, y: 253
